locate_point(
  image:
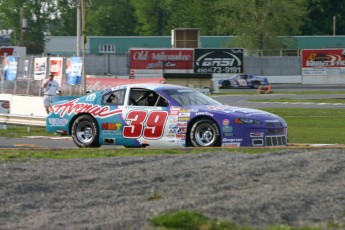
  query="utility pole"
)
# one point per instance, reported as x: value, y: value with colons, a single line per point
x: 78, y: 5
x: 84, y: 44
x: 334, y: 21
x: 21, y: 27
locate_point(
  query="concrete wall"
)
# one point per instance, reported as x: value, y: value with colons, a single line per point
x: 25, y: 105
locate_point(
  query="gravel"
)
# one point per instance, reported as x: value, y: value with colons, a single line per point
x: 291, y: 187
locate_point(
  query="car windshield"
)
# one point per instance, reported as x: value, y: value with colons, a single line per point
x: 186, y: 97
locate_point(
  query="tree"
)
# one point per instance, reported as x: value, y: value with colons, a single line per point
x: 319, y: 20
x: 151, y: 17
x: 190, y: 14
x: 63, y: 21
x: 159, y: 17
x: 258, y: 23
x: 37, y: 13
x: 110, y: 18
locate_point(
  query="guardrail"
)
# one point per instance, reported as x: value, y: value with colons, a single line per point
x: 26, y: 120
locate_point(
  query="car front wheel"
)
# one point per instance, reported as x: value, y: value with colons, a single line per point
x: 85, y: 132
x: 205, y: 133
x: 256, y: 84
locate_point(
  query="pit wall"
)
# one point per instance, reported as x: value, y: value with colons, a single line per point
x: 25, y: 105
x: 326, y: 80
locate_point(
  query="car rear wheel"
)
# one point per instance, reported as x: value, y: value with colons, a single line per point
x: 226, y: 84
x: 85, y: 132
x: 205, y: 133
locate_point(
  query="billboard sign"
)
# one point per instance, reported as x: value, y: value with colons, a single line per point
x: 161, y: 59
x: 218, y: 60
x: 323, y: 62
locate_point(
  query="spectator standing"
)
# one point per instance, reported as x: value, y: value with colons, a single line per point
x: 50, y: 88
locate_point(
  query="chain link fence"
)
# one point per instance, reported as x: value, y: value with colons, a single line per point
x: 117, y: 66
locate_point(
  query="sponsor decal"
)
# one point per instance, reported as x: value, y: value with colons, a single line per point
x: 232, y: 140
x: 182, y: 130
x: 74, y: 107
x: 118, y: 87
x: 175, y: 108
x: 221, y: 108
x: 183, y: 118
x: 184, y: 114
x: 231, y: 145
x: 256, y: 134
x: 173, y: 120
x: 57, y: 121
x: 185, y: 90
x: 91, y: 97
x: 184, y: 111
x: 182, y: 124
x: 228, y: 134
x: 226, y: 122
x: 181, y: 136
x: 218, y: 61
x: 173, y: 126
x: 111, y: 126
x: 173, y: 112
x: 204, y: 114
x: 171, y: 136
x: 111, y: 132
x: 272, y: 121
x: 173, y: 130
x: 227, y: 129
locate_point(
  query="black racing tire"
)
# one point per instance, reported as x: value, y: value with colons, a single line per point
x: 256, y: 84
x: 204, y: 133
x: 226, y: 84
x: 85, y: 132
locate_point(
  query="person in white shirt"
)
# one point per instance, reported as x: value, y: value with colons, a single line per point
x: 50, y: 88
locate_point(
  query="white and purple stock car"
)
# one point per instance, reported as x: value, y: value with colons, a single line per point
x: 140, y: 115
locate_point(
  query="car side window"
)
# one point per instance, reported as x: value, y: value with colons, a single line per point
x: 114, y: 98
x: 144, y: 97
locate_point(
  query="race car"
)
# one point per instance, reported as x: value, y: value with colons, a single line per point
x: 161, y: 115
x: 243, y: 80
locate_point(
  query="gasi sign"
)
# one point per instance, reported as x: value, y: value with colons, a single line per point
x: 218, y: 61
x: 323, y: 62
x: 161, y: 59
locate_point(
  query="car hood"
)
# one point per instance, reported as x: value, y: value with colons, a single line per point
x: 234, y: 111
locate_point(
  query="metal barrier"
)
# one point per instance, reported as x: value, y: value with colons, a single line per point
x: 26, y: 120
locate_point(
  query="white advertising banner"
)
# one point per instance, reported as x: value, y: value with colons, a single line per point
x: 40, y: 68
x: 55, y: 67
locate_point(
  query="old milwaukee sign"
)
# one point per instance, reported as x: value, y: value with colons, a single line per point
x: 161, y: 58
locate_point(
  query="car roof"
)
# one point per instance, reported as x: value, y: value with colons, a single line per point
x: 152, y: 86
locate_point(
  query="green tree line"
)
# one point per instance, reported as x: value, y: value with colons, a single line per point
x: 256, y: 24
